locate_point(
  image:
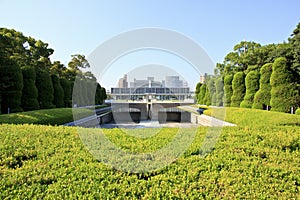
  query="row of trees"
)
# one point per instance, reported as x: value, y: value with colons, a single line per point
x: 256, y: 76
x: 30, y: 81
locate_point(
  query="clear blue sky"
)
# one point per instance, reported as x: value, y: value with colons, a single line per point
x: 72, y: 26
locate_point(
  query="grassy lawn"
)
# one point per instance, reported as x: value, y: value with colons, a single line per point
x: 56, y: 116
x: 258, y: 159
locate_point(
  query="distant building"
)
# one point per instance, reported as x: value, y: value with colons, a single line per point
x: 149, y: 83
x: 170, y: 89
x: 173, y: 82
x: 123, y: 83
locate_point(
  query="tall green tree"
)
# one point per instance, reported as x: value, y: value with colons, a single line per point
x: 29, y: 92
x: 45, y: 89
x: 58, y: 92
x: 238, y: 89
x: 219, y: 91
x: 228, y: 89
x: 252, y: 86
x: 66, y: 85
x: 197, y: 90
x: 11, y: 80
x: 263, y: 95
x: 201, y: 94
x: 284, y: 92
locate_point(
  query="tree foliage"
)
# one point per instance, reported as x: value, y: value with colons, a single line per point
x: 263, y: 95
x: 45, y: 89
x: 58, y: 95
x: 228, y: 89
x: 219, y: 91
x: 252, y: 86
x: 201, y: 94
x: 18, y: 50
x: 29, y: 92
x: 11, y: 80
x: 238, y: 89
x: 284, y: 92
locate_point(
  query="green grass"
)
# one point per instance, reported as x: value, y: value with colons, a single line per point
x: 56, y: 116
x: 258, y: 159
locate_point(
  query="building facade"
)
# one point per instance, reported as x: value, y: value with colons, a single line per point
x: 144, y: 90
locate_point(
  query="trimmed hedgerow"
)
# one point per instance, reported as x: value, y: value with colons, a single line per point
x: 252, y: 86
x: 45, y: 89
x: 29, y: 92
x: 228, y: 89
x: 238, y: 89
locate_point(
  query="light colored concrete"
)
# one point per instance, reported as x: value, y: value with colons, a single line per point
x: 204, y: 120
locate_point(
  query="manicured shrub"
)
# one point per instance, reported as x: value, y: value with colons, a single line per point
x: 201, y: 94
x: 284, y: 92
x: 58, y: 92
x: 228, y: 89
x: 45, y: 89
x: 30, y: 92
x: 219, y: 91
x: 207, y: 97
x: 66, y: 85
x: 100, y: 95
x: 298, y: 111
x: 263, y: 95
x: 238, y: 88
x: 252, y: 86
x: 197, y: 90
x: 11, y: 80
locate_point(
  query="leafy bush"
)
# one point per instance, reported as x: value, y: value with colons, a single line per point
x: 263, y: 95
x: 201, y: 94
x: 58, y: 92
x: 30, y: 92
x: 219, y: 91
x: 238, y: 89
x: 45, y: 89
x: 228, y: 89
x: 284, y: 92
x: 297, y: 111
x: 66, y: 85
x: 252, y: 86
x: 251, y: 155
x: 11, y: 80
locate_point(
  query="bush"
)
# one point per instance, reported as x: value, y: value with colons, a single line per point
x: 228, y: 89
x: 201, y: 94
x: 297, y: 111
x: 238, y: 89
x: 263, y: 95
x: 284, y: 92
x: 30, y: 92
x: 58, y: 92
x: 45, y: 89
x: 11, y: 80
x: 66, y: 85
x: 197, y: 89
x: 252, y: 86
x: 219, y: 91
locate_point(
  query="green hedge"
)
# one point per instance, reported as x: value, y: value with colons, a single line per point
x: 11, y: 80
x: 201, y: 94
x: 58, y: 94
x: 252, y: 86
x: 45, y: 89
x: 263, y: 95
x: 284, y: 92
x: 66, y: 85
x: 228, y: 89
x: 30, y: 92
x: 238, y: 88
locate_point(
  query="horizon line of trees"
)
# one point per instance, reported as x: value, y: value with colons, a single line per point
x: 255, y: 76
x: 30, y: 81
